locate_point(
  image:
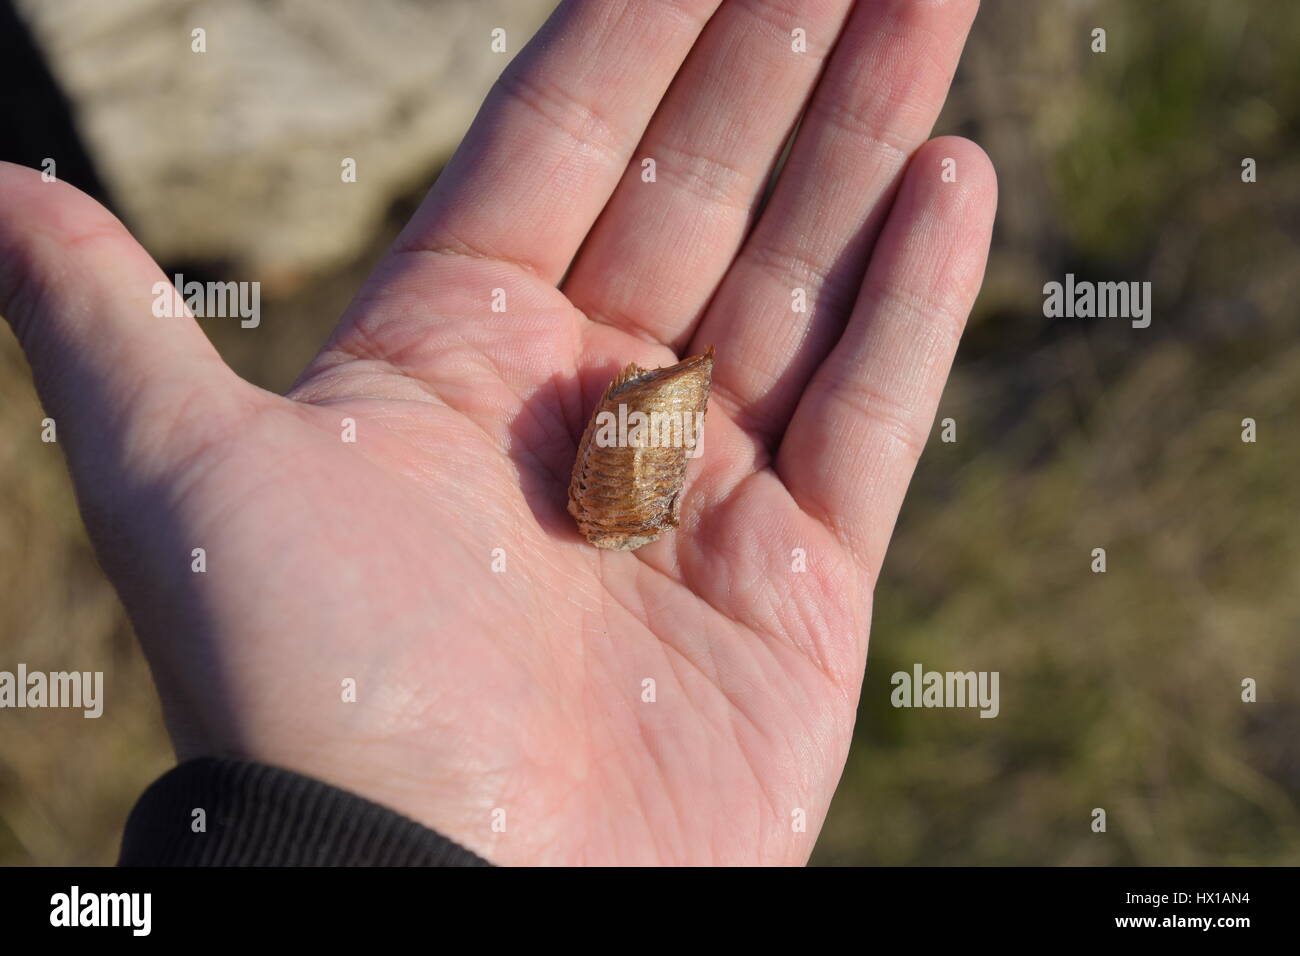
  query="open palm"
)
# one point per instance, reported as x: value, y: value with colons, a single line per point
x: 524, y: 693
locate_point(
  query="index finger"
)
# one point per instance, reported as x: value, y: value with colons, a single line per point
x: 556, y: 133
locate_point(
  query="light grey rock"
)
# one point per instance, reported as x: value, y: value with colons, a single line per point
x: 235, y: 155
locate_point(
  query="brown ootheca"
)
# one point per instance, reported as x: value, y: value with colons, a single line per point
x: 627, y: 480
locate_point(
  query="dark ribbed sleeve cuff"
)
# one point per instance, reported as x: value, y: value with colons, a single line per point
x: 259, y: 815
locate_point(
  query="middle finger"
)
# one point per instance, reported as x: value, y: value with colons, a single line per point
x: 654, y: 258
x: 881, y: 94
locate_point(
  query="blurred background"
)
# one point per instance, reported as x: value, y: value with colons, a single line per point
x: 1119, y: 690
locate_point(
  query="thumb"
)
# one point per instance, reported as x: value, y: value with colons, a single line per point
x: 122, y: 384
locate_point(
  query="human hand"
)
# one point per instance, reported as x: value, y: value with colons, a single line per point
x: 522, y: 690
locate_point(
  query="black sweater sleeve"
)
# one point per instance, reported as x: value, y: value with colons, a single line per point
x: 259, y: 815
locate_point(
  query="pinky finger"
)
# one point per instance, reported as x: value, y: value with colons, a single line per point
x: 852, y: 445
